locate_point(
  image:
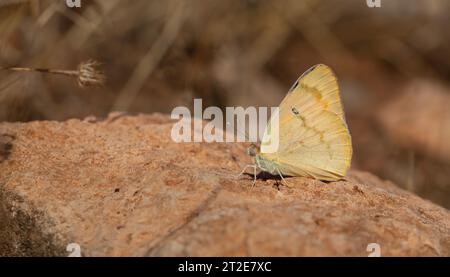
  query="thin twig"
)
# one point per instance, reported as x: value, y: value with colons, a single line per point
x: 87, y: 73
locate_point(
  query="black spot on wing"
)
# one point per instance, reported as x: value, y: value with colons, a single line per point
x: 294, y: 86
x: 300, y: 78
x: 297, y: 114
x: 308, y: 71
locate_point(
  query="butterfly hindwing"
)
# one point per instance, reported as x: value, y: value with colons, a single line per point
x: 314, y: 140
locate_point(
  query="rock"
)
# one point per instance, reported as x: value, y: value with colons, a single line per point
x: 5, y: 146
x: 121, y: 187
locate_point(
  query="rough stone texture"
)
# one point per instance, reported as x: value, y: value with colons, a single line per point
x: 122, y: 187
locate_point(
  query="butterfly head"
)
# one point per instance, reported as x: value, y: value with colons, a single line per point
x: 252, y: 151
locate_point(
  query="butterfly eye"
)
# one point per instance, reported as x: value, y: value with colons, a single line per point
x: 251, y: 151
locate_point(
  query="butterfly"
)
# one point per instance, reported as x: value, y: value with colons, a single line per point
x: 313, y: 137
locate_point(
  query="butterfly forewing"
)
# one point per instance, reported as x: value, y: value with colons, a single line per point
x: 314, y: 140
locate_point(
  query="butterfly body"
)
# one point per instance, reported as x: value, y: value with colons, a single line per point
x: 313, y: 137
x: 269, y: 166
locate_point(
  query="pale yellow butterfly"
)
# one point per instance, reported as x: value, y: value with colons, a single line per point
x: 314, y: 140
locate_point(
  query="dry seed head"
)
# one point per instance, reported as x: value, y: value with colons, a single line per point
x: 90, y: 75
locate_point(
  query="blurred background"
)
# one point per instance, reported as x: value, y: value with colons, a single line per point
x: 393, y: 65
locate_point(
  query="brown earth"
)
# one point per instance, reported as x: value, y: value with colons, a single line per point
x: 120, y: 187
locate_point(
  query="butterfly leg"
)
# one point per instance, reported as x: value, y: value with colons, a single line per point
x: 245, y: 168
x: 254, y: 172
x: 254, y: 175
x: 283, y: 180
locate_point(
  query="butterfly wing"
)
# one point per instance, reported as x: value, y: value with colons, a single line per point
x: 314, y: 140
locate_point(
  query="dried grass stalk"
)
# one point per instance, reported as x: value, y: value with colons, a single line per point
x: 87, y: 74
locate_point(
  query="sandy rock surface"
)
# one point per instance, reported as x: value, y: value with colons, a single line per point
x: 120, y: 186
